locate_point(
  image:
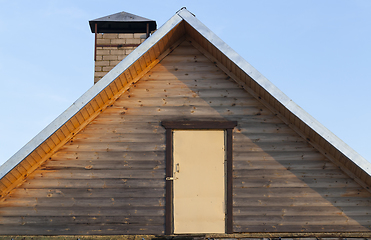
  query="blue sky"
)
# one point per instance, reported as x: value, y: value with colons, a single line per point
x: 317, y: 52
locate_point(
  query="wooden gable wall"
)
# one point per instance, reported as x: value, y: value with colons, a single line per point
x: 110, y: 178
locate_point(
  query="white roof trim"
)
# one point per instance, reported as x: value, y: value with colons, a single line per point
x: 275, y: 92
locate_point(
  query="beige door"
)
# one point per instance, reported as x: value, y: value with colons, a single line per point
x: 199, y: 185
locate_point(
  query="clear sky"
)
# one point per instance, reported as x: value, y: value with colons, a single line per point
x: 317, y: 52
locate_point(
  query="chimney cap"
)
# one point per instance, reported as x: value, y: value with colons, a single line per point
x: 122, y: 22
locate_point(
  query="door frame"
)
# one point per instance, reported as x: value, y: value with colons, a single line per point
x: 198, y: 125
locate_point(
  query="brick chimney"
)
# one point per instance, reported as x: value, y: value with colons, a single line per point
x: 116, y: 36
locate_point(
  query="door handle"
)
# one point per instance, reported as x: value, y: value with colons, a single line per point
x: 171, y: 178
x: 177, y: 168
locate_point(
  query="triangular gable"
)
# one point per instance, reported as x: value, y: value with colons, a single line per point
x: 139, y: 62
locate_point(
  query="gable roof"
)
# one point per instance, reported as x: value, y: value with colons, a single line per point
x: 139, y: 62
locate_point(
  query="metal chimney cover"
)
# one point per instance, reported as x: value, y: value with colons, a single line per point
x: 122, y: 22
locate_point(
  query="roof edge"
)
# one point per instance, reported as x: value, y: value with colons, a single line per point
x: 275, y: 92
x: 44, y: 134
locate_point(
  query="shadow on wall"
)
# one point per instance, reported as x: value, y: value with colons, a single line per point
x: 281, y: 183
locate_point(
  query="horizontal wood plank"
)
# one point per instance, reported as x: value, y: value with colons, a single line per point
x: 299, y: 192
x: 309, y: 220
x: 82, y: 229
x: 277, y: 156
x: 249, y: 182
x: 120, y: 183
x: 320, y: 228
x: 137, y: 138
x: 318, y: 211
x: 174, y: 101
x: 113, y: 146
x: 289, y: 201
x: 83, y: 211
x: 107, y: 201
x: 65, y: 220
x: 88, y: 192
x: 102, y: 164
x: 105, y: 173
x: 124, y: 156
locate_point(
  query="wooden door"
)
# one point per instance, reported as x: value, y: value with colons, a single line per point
x: 199, y: 185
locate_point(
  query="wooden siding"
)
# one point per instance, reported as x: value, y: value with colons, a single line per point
x: 110, y: 177
x: 94, y: 107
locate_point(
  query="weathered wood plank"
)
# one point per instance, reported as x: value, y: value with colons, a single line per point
x: 183, y: 59
x: 301, y: 228
x: 285, y: 164
x: 130, y: 102
x: 138, y: 138
x: 102, y: 164
x: 247, y: 137
x: 277, y: 156
x: 300, y: 192
x: 195, y: 111
x: 185, y: 75
x: 122, y: 183
x: 308, y: 220
x: 249, y: 182
x: 186, y: 67
x: 296, y: 173
x: 301, y: 201
x: 83, y: 202
x: 64, y: 220
x: 82, y: 229
x: 88, y: 192
x: 125, y: 156
x: 113, y: 146
x: 83, y: 211
x: 271, y: 146
x: 141, y: 119
x: 96, y: 173
x: 125, y: 128
x: 302, y: 211
x: 186, y: 92
x: 263, y: 127
x: 185, y: 49
x: 150, y: 127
